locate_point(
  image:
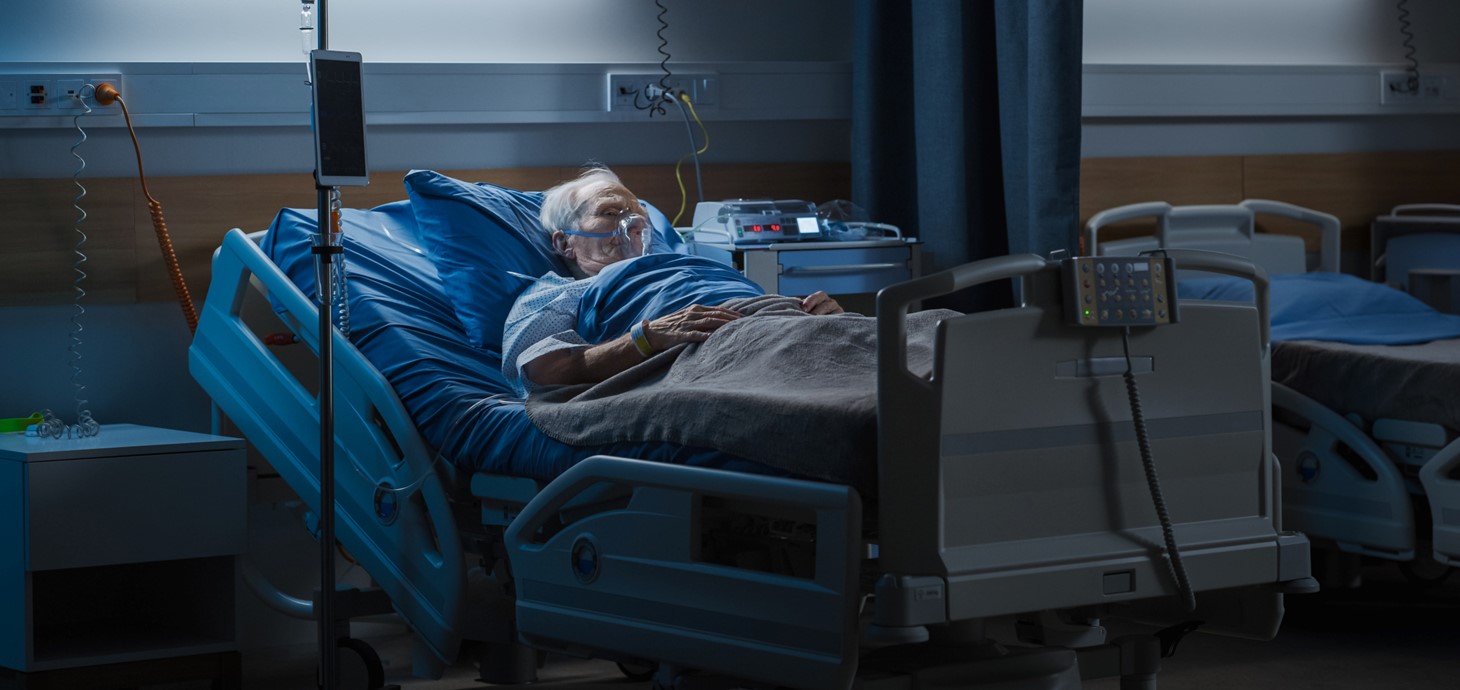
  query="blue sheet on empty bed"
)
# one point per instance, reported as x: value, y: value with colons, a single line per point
x: 652, y: 286
x: 1334, y: 307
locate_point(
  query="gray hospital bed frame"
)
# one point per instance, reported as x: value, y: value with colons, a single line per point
x: 1361, y: 502
x: 1009, y: 482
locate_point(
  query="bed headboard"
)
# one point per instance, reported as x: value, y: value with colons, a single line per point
x: 1413, y: 236
x: 1227, y: 228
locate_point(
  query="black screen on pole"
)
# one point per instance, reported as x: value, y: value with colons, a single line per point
x: 339, y: 119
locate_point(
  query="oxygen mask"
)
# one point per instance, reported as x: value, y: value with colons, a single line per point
x: 615, y: 235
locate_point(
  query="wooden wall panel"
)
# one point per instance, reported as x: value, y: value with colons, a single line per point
x: 38, y: 238
x: 198, y: 212
x: 1356, y: 187
x: 815, y: 182
x: 126, y: 265
x: 1178, y: 180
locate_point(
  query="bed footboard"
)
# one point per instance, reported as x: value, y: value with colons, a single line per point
x: 752, y: 577
x: 391, y: 509
x: 1023, y: 488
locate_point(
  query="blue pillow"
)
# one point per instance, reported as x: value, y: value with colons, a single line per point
x: 488, y: 246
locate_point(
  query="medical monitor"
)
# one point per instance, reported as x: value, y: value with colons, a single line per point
x: 339, y: 119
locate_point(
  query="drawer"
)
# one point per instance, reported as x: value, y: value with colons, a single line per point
x: 135, y: 509
x: 842, y: 271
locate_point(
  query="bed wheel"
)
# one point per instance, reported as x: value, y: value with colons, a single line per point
x: 637, y: 672
x: 360, y: 666
x: 1424, y: 570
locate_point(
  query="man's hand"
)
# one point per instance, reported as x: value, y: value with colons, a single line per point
x: 692, y: 324
x: 819, y: 303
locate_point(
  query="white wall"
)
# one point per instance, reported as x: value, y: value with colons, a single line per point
x: 1266, y: 32
x: 161, y: 47
x: 485, y: 31
x: 1299, y: 73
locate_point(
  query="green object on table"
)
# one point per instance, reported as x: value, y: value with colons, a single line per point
x: 19, y: 423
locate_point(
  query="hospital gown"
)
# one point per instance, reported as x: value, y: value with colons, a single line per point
x: 542, y: 320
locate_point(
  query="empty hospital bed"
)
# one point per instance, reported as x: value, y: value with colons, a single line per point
x: 1416, y: 248
x: 1008, y: 481
x: 1365, y: 431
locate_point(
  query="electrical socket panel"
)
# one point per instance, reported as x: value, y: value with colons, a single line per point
x: 1432, y: 89
x: 632, y: 95
x: 32, y: 95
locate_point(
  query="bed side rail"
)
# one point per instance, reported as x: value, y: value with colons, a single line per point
x: 1225, y: 228
x: 636, y: 579
x: 406, y: 540
x: 1425, y: 209
x: 1328, y: 227
x: 1442, y: 488
x: 1158, y: 210
x: 1327, y: 497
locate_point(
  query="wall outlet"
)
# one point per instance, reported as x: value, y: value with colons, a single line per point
x: 36, y: 94
x: 31, y: 95
x: 1431, y: 89
x: 637, y: 93
x: 68, y: 93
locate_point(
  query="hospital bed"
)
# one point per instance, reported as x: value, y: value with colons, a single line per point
x: 1416, y: 248
x: 1009, y: 489
x: 1364, y: 432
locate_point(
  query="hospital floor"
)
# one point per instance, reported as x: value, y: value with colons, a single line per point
x: 1385, y: 634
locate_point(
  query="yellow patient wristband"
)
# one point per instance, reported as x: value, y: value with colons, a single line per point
x: 641, y: 340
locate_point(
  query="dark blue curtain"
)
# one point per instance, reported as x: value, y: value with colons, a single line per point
x: 966, y: 126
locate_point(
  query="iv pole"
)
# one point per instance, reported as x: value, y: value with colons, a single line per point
x: 325, y: 250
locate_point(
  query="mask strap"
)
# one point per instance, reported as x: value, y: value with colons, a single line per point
x: 581, y: 233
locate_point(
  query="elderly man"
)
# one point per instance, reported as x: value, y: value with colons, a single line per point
x: 595, y: 223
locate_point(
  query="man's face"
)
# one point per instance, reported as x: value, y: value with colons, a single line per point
x: 599, y: 216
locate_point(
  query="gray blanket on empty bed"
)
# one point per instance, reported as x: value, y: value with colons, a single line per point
x: 780, y: 387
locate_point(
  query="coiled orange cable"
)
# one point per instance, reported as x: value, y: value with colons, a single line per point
x: 106, y: 94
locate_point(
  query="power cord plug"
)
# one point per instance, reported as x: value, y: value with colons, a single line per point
x: 106, y: 94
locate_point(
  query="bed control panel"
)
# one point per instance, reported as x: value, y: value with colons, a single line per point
x: 1119, y: 291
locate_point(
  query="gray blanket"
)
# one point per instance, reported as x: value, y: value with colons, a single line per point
x: 780, y: 387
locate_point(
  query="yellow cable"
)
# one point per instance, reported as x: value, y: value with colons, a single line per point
x: 696, y: 116
x: 683, y: 196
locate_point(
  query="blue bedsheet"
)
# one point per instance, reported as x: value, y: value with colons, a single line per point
x: 648, y: 287
x: 1334, y: 307
x: 402, y: 322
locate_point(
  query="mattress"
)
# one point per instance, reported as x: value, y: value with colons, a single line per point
x: 1355, y: 346
x: 1412, y: 382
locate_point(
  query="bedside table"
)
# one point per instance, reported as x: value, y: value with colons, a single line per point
x: 118, y: 557
x: 851, y: 272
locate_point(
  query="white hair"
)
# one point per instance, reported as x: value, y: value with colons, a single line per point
x: 561, y: 202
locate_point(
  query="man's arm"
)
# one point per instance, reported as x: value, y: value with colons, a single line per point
x: 591, y: 365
